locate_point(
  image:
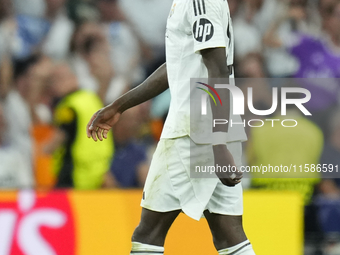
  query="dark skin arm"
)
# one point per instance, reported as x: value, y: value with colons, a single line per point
x: 218, y: 72
x: 103, y: 120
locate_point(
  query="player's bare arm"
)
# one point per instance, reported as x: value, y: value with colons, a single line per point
x: 103, y: 120
x: 215, y: 61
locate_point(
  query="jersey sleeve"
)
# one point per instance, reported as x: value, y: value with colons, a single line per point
x: 208, y: 23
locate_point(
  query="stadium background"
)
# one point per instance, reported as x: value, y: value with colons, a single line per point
x: 52, y: 49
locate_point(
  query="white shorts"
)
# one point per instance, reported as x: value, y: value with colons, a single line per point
x: 169, y: 186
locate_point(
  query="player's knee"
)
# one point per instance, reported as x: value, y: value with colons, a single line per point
x: 145, y: 233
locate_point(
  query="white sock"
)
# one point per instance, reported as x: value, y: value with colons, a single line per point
x: 146, y: 249
x: 244, y: 248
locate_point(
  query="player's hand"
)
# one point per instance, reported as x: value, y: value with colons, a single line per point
x: 223, y: 158
x: 101, y: 123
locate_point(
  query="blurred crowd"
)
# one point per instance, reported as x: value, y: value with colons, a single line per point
x: 61, y: 60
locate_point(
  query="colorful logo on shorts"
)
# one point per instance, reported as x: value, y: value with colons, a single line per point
x: 209, y: 93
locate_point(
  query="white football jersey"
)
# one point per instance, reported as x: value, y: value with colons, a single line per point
x: 194, y: 25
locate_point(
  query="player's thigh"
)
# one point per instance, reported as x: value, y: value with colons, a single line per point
x: 227, y: 230
x: 154, y: 226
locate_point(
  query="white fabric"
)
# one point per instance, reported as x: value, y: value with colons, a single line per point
x: 169, y: 185
x: 185, y: 62
x: 146, y: 249
x: 149, y: 19
x: 30, y: 7
x: 279, y: 62
x: 17, y: 159
x: 19, y: 124
x: 124, y: 49
x: 219, y: 138
x: 82, y: 70
x: 53, y: 46
x: 15, y: 171
x: 266, y: 15
x: 247, y: 38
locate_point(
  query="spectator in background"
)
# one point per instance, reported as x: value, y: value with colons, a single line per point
x: 148, y: 20
x: 30, y: 7
x: 260, y: 12
x: 295, y: 32
x: 130, y: 164
x: 6, y: 9
x: 251, y: 66
x: 61, y: 27
x: 294, y: 16
x: 7, y: 29
x: 91, y: 62
x: 20, y: 100
x: 15, y: 171
x: 81, y: 10
x: 318, y: 57
x: 251, y: 69
x: 247, y: 36
x: 124, y: 47
x: 327, y: 201
x: 276, y: 145
x: 21, y: 95
x: 79, y: 162
x: 331, y: 151
x: 28, y: 32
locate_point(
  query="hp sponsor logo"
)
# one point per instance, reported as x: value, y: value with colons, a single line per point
x: 203, y: 30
